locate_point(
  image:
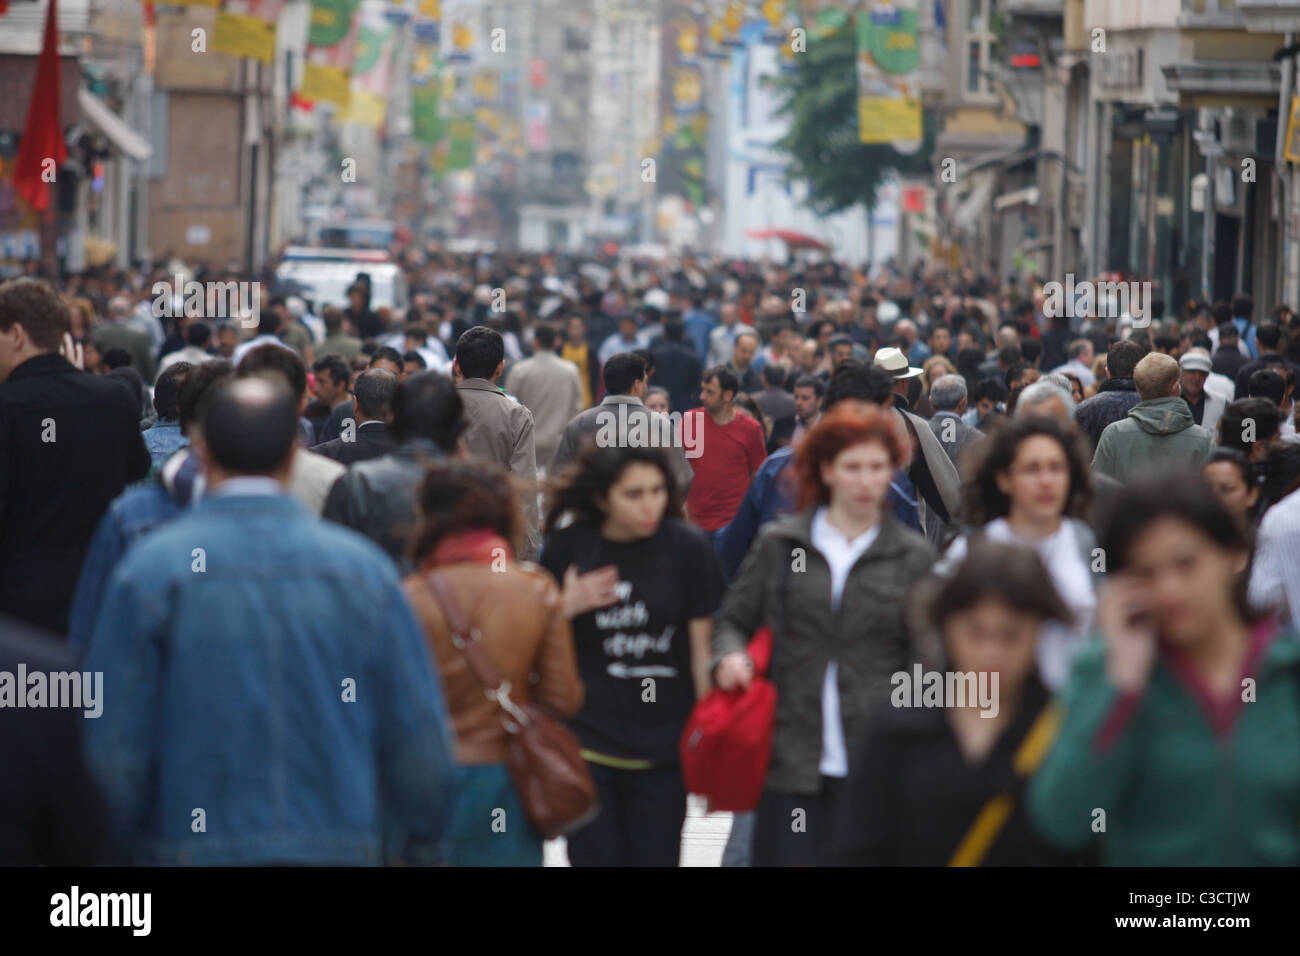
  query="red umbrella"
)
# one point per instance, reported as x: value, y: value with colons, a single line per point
x: 792, y: 239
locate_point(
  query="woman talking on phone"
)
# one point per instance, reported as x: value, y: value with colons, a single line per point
x: 1180, y: 744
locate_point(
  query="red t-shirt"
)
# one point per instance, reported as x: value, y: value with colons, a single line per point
x: 728, y: 456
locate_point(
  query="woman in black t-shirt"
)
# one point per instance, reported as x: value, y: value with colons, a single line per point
x: 640, y: 586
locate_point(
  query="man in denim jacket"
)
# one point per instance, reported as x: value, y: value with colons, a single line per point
x: 267, y: 694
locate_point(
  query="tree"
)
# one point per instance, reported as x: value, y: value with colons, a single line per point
x: 820, y: 98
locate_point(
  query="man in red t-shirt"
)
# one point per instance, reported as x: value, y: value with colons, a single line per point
x: 725, y: 448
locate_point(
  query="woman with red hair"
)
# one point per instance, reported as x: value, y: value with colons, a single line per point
x: 830, y: 582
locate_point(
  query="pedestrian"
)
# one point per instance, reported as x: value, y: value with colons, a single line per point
x: 1116, y: 395
x: 164, y: 436
x: 468, y: 529
x: 1207, y: 407
x: 1230, y: 474
x: 579, y: 351
x: 243, y: 616
x: 1180, y: 738
x: 498, y: 429
x: 621, y: 420
x: 948, y: 398
x: 677, y: 366
x: 313, y: 473
x: 144, y: 505
x: 53, y: 807
x: 838, y: 629
x: 777, y: 403
x: 1158, y: 433
x: 724, y: 448
x: 378, y: 497
x: 372, y: 406
x: 550, y: 388
x: 1030, y: 487
x: 925, y: 776
x: 384, y: 357
x: 69, y: 443
x: 640, y: 586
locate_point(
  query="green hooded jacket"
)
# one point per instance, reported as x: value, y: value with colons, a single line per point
x: 1158, y: 434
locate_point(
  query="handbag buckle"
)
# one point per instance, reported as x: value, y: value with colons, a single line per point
x: 502, y: 696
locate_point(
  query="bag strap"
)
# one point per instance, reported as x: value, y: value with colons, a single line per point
x: 467, y: 639
x: 993, y: 816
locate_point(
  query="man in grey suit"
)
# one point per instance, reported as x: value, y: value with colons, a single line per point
x: 948, y: 398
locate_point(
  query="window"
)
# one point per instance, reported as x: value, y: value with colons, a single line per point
x: 981, y: 45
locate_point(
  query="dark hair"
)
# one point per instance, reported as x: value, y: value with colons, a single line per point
x: 1014, y: 372
x: 622, y: 371
x: 851, y: 422
x: 937, y: 327
x: 408, y: 358
x: 674, y: 329
x: 277, y: 358
x: 773, y: 373
x: 1031, y: 349
x: 166, y: 390
x: 1243, y: 307
x: 868, y: 383
x: 427, y: 405
x: 1268, y: 335
x: 597, y: 469
x: 115, y: 358
x: 1237, y: 458
x: 464, y: 496
x: 40, y: 310
x: 990, y: 388
x: 1122, y: 358
x: 414, y: 330
x: 544, y: 337
x: 1012, y: 574
x: 336, y: 365
x: 1266, y: 384
x: 839, y: 339
x: 268, y: 323
x: 984, y: 500
x: 1262, y: 412
x: 1171, y: 495
x: 196, y: 385
x: 813, y: 382
x: 132, y: 380
x: 198, y: 334
x: 249, y: 424
x: 479, y: 351
x: 1229, y: 330
x: 727, y: 380
x: 1009, y: 355
x: 386, y: 353
x: 374, y: 390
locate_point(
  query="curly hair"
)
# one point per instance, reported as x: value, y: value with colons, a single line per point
x: 985, y: 501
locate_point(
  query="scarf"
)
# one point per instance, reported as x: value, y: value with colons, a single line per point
x: 478, y: 546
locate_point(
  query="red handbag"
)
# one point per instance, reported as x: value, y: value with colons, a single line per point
x: 727, y: 742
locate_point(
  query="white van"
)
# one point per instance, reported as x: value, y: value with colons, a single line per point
x: 322, y: 277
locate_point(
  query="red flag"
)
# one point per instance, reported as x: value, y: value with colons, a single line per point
x: 42, y: 135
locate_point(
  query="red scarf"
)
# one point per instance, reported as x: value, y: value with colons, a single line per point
x: 478, y: 546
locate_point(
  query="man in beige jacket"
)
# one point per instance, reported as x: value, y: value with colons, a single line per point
x: 497, y: 428
x: 549, y: 387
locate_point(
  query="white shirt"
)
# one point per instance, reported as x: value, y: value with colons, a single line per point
x: 1072, y: 576
x: 841, y: 554
x: 1275, y: 575
x: 615, y: 343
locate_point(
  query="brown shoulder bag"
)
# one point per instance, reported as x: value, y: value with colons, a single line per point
x: 549, y: 774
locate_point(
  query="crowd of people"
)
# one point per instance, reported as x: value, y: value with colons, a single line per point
x: 622, y: 471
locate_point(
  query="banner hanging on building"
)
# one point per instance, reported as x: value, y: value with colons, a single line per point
x: 889, y: 100
x: 331, y: 51
x: 372, y: 71
x: 247, y: 28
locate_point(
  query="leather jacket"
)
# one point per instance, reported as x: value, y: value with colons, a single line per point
x: 377, y: 497
x: 520, y: 617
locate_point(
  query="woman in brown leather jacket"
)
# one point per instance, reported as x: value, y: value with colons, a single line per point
x: 469, y: 525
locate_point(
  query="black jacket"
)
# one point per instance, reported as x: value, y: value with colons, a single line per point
x: 678, y: 369
x: 377, y: 497
x: 1258, y: 365
x: 1228, y: 361
x: 69, y: 443
x: 1114, y: 398
x: 52, y: 812
x: 372, y: 440
x: 911, y: 796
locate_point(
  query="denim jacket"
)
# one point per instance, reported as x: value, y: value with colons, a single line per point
x: 263, y: 667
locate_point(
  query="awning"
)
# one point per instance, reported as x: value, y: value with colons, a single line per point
x: 115, y: 129
x: 792, y: 239
x: 1007, y: 200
